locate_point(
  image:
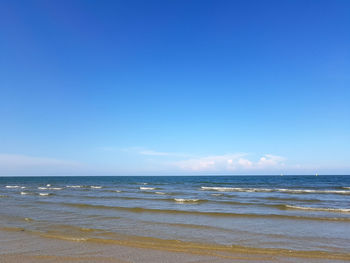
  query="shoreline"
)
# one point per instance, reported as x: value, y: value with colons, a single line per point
x: 22, y: 246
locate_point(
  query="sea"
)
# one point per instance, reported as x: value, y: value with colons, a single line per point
x: 301, y: 214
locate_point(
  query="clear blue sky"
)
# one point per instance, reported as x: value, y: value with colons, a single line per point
x: 174, y: 87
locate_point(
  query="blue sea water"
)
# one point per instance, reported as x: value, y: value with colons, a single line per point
x: 283, y: 212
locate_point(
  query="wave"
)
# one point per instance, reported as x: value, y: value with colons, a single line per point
x: 183, y: 200
x: 42, y: 188
x: 336, y: 210
x: 44, y: 194
x: 12, y: 186
x: 160, y: 193
x: 346, y: 187
x: 24, y: 193
x: 95, y: 187
x: 55, y: 188
x: 309, y: 191
x: 206, y: 213
x: 74, y: 186
x: 292, y: 199
x: 147, y: 188
x: 266, y: 190
x: 235, y: 189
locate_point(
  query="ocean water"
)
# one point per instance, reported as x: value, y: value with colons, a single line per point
x: 287, y: 213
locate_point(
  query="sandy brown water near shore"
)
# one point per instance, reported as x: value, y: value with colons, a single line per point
x: 20, y: 246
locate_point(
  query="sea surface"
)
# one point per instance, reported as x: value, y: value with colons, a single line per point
x: 290, y: 213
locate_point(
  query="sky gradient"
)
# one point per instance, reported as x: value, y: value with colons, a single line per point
x: 174, y: 87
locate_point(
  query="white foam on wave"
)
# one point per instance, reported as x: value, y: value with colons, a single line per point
x: 236, y: 189
x: 74, y: 186
x: 160, y: 193
x: 147, y: 188
x: 117, y: 191
x: 23, y: 187
x: 95, y: 187
x: 42, y: 188
x: 24, y: 193
x: 266, y: 190
x: 302, y: 191
x: 55, y: 188
x: 183, y: 200
x: 217, y: 194
x: 337, y: 210
x: 44, y: 194
x: 12, y: 186
x: 48, y: 185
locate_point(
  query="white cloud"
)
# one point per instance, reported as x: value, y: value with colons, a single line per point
x: 269, y: 160
x: 231, y: 163
x: 16, y: 164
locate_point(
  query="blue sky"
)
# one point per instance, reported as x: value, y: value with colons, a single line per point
x: 174, y: 87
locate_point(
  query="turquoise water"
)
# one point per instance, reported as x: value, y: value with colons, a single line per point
x: 287, y: 212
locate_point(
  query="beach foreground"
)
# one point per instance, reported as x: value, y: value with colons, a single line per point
x: 19, y: 246
x: 175, y: 219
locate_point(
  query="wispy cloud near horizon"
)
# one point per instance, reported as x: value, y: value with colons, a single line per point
x: 19, y: 164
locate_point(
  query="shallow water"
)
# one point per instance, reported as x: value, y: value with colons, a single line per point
x: 298, y: 213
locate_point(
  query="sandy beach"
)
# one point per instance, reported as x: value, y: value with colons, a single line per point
x: 19, y: 246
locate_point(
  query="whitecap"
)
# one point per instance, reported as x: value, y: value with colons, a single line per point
x: 11, y: 186
x: 160, y: 193
x: 24, y: 193
x: 282, y: 190
x: 96, y: 187
x: 183, y: 200
x: 44, y: 194
x: 55, y: 188
x: 147, y: 188
x: 217, y: 194
x: 336, y: 210
x: 74, y: 186
x: 42, y: 188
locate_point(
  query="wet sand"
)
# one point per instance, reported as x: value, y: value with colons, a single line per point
x: 20, y: 246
